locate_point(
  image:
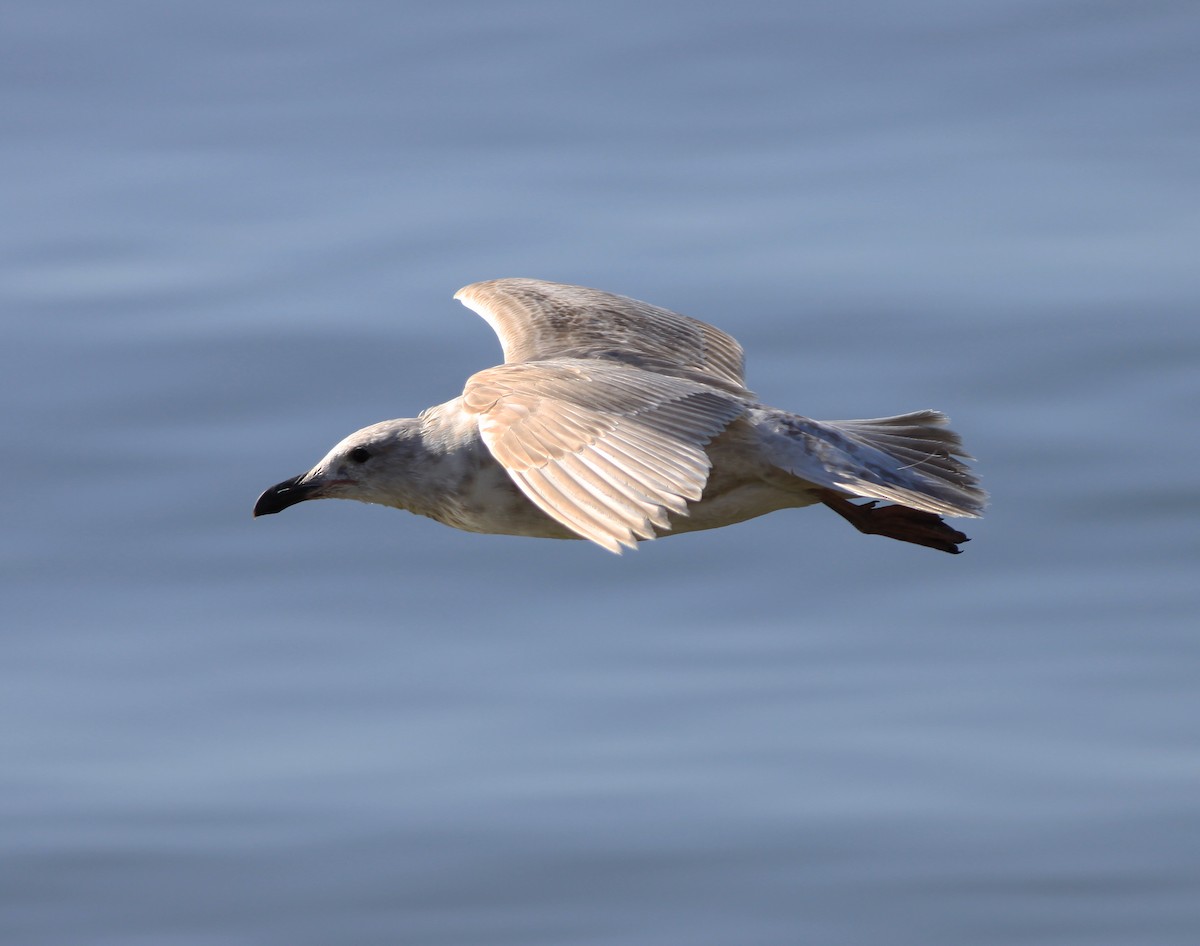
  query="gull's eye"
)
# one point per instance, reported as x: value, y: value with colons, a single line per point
x: 360, y: 454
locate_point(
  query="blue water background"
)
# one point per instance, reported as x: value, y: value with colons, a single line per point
x: 230, y: 233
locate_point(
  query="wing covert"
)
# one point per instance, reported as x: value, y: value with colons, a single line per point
x: 608, y: 451
x: 539, y: 321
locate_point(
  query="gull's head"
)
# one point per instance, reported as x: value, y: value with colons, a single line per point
x: 372, y: 465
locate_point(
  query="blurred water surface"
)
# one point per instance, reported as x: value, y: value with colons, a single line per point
x: 230, y: 236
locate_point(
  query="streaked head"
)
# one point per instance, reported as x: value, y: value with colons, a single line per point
x: 371, y: 466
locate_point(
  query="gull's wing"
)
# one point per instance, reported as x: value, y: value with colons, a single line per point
x: 607, y: 450
x: 539, y: 321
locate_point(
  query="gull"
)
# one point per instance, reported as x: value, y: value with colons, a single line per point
x: 617, y: 421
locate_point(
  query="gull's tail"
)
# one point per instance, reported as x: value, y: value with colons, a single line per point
x: 913, y: 460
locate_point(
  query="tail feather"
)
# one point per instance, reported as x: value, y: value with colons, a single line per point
x: 911, y: 459
x: 929, y: 476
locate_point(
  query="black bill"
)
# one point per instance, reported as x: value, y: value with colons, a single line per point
x: 282, y: 495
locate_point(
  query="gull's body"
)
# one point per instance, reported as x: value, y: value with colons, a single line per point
x: 615, y: 421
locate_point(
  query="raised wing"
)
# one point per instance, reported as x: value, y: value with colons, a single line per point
x: 539, y: 321
x: 608, y: 451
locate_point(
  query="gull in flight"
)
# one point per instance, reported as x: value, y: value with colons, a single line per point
x: 616, y: 421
